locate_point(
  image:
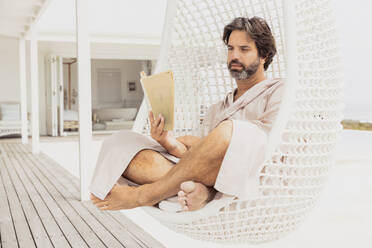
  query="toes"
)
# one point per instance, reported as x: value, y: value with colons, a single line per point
x: 95, y: 201
x: 105, y: 208
x: 98, y: 202
x: 182, y: 201
x: 101, y: 204
x: 197, y: 198
x: 181, y: 198
x: 187, y: 186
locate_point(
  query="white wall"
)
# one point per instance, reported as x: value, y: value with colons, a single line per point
x: 9, y: 77
x: 130, y: 70
x: 9, y: 70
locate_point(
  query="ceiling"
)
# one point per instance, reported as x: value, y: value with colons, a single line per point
x: 16, y: 16
x: 110, y: 21
x: 107, y: 17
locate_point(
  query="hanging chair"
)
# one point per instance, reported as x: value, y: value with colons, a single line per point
x: 303, y: 138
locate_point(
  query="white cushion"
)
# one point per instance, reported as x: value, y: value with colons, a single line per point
x: 9, y: 111
x: 10, y: 123
x: 108, y: 114
x: 70, y: 115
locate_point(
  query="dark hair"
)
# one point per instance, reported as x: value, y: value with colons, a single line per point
x: 258, y: 30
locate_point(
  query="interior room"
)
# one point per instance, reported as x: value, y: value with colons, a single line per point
x: 116, y: 94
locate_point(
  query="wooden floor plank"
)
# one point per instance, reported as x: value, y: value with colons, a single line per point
x: 120, y: 231
x: 105, y: 233
x: 118, y: 220
x: 7, y: 232
x: 89, y: 234
x: 39, y: 197
x: 22, y: 235
x: 111, y: 226
x: 73, y: 181
x: 39, y: 233
x: 48, y: 196
x: 134, y: 230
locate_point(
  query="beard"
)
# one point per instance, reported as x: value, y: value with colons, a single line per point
x: 246, y: 72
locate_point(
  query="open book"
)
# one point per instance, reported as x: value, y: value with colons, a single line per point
x: 159, y: 92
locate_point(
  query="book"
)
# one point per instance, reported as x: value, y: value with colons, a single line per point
x: 159, y: 92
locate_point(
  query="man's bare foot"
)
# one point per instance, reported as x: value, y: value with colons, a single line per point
x: 120, y: 197
x: 194, y: 196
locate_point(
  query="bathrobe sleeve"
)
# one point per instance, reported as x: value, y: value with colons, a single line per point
x: 244, y: 158
x: 274, y: 98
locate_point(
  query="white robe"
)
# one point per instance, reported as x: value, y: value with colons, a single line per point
x: 252, y: 115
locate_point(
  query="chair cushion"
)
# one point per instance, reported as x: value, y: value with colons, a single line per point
x: 9, y: 112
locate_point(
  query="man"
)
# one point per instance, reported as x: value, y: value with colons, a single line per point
x: 228, y: 159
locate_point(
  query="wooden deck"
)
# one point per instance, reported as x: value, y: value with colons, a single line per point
x: 40, y: 207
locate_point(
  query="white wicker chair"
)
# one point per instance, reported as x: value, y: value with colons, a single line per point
x: 303, y: 138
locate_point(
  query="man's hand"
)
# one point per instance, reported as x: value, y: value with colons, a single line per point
x: 163, y: 137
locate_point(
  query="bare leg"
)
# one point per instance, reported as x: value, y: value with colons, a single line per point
x: 201, y: 164
x: 147, y: 166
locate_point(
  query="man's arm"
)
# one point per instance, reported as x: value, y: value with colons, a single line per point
x: 175, y: 146
x: 181, y: 145
x: 188, y: 140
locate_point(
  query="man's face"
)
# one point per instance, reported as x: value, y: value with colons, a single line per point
x: 243, y: 60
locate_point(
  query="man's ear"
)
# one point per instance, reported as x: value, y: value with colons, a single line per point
x: 262, y: 61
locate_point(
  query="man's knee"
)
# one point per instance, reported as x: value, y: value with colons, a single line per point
x: 147, y: 156
x: 147, y: 166
x: 214, y: 146
x: 224, y: 131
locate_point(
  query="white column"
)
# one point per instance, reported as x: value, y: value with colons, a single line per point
x: 34, y: 73
x: 23, y: 87
x: 84, y: 96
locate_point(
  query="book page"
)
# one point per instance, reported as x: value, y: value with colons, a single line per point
x: 159, y: 90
